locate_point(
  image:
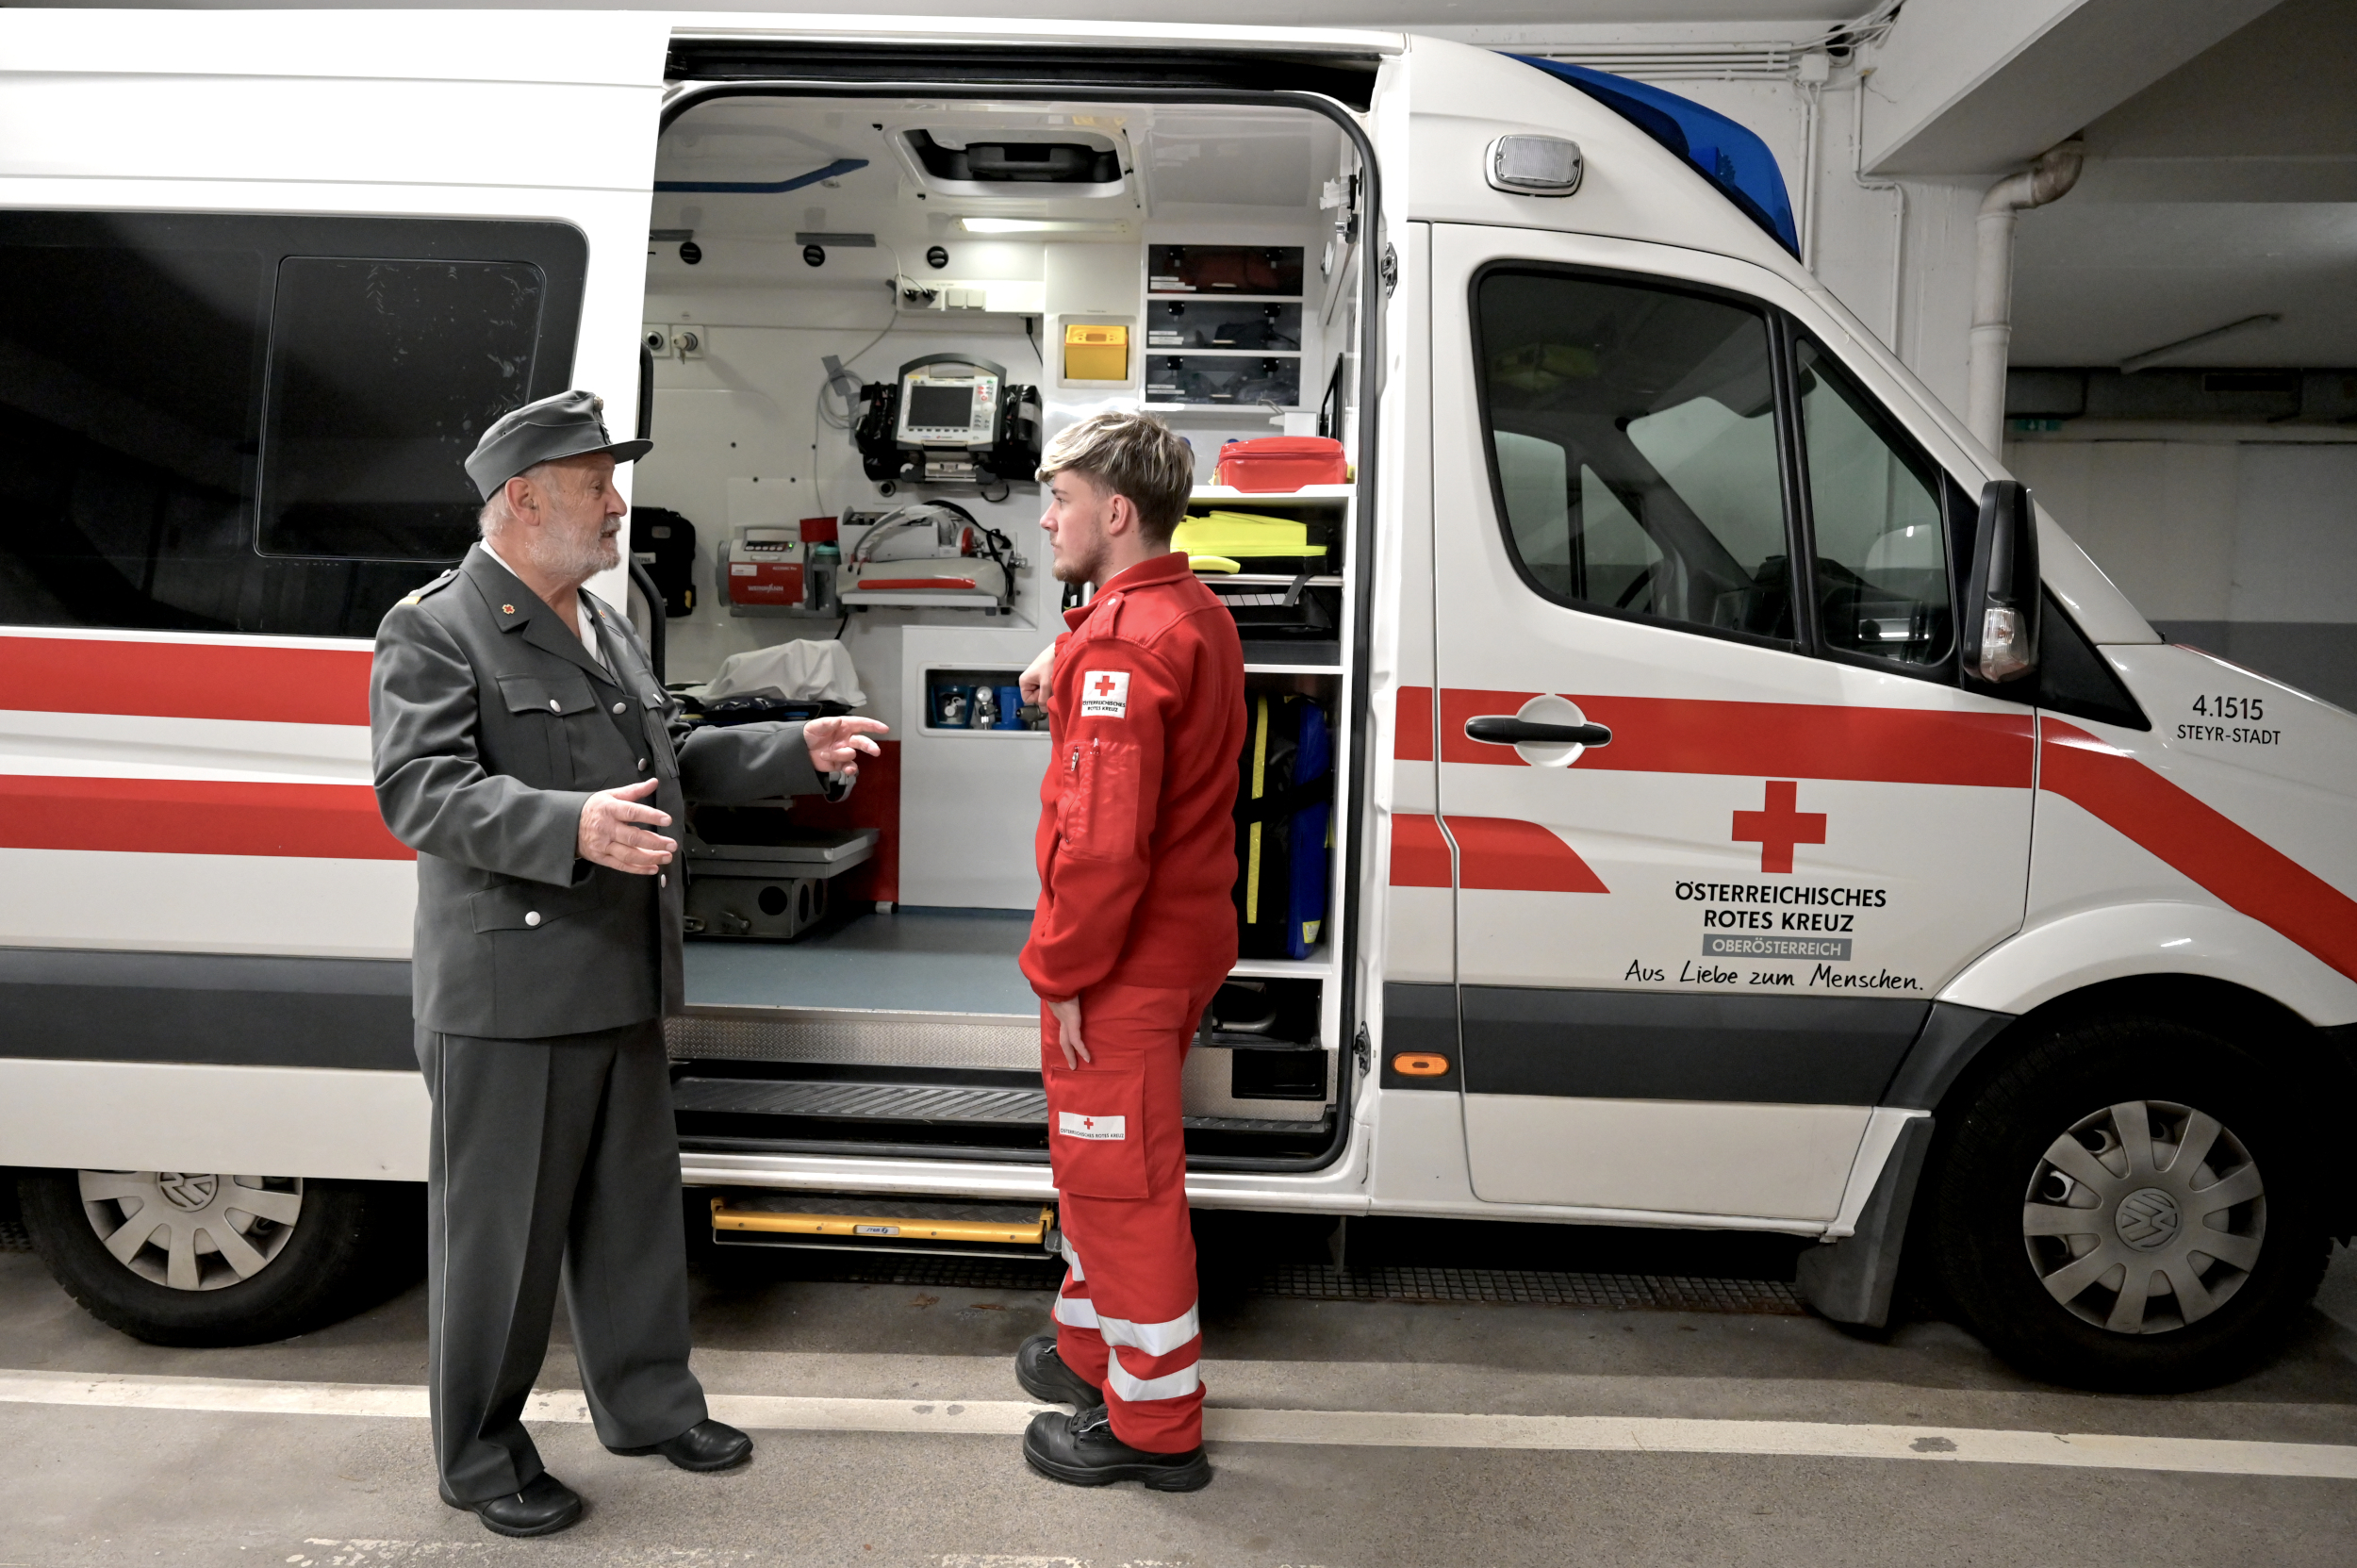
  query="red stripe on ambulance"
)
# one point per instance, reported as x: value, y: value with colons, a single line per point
x: 2233, y: 865
x: 1501, y: 854
x: 184, y: 680
x: 194, y: 816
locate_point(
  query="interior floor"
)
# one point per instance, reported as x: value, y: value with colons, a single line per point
x: 909, y: 961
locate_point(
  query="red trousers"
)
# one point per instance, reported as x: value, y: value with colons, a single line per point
x: 1126, y: 1319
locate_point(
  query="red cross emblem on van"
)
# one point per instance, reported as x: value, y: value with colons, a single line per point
x: 1779, y: 825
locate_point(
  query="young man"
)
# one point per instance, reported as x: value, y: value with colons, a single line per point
x: 1134, y: 931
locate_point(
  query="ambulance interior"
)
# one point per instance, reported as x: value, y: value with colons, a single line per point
x: 863, y: 320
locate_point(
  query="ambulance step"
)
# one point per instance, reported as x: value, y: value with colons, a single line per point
x: 833, y: 1100
x: 884, y: 1225
x: 930, y: 1104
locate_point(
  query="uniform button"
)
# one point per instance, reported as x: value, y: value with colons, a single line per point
x: 642, y: 764
x: 663, y: 879
x: 618, y: 707
x: 532, y: 918
x: 555, y: 706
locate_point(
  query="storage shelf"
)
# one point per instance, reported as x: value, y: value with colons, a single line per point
x: 1266, y: 579
x: 1226, y: 411
x: 1224, y: 295
x: 1307, y: 492
x: 1293, y: 669
x: 1320, y: 967
x: 1172, y: 350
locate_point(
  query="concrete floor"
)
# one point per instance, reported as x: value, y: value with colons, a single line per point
x: 110, y: 1486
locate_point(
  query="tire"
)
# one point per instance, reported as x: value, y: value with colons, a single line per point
x: 298, y: 1253
x: 2049, y: 1204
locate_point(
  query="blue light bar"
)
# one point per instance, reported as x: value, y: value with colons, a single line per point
x: 1726, y: 155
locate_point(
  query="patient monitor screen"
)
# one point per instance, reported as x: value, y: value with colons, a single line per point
x: 940, y: 407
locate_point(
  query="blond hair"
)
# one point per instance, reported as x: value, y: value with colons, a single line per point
x: 1131, y: 454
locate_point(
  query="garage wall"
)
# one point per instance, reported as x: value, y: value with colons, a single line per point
x: 2244, y: 544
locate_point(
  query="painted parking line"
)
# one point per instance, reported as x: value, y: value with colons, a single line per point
x: 1330, y: 1428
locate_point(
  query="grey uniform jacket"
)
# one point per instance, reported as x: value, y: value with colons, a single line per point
x: 489, y: 726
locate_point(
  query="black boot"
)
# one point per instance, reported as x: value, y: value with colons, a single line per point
x: 707, y: 1445
x: 1081, y: 1451
x: 544, y: 1507
x: 1044, y: 1374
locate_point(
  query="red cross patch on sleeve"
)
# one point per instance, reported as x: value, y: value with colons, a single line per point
x: 1105, y: 694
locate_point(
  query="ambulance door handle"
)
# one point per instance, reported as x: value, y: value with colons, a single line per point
x: 1498, y: 729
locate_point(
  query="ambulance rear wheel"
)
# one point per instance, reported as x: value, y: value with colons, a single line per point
x: 2131, y: 1205
x: 196, y: 1259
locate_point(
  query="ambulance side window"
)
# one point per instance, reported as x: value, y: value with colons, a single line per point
x: 1633, y: 437
x: 1881, y: 551
x: 382, y: 375
x: 255, y: 424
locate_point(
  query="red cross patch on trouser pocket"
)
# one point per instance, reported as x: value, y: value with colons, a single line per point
x: 1096, y: 1127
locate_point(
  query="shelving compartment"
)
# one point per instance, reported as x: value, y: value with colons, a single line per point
x: 1224, y: 325
x: 1215, y: 379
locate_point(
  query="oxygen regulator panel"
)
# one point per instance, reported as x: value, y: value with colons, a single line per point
x: 948, y: 419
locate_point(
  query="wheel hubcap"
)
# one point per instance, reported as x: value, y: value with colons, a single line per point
x: 192, y: 1232
x: 2144, y: 1217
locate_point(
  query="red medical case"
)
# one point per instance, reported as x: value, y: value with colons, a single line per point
x: 1282, y: 463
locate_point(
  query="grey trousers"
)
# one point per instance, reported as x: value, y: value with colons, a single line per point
x: 549, y: 1156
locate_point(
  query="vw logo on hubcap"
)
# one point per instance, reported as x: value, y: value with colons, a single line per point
x: 2148, y: 1218
x: 187, y: 1192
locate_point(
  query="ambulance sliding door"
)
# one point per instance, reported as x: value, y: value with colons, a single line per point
x: 1723, y: 829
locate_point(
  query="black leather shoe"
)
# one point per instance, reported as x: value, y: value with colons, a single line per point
x: 707, y: 1445
x: 1081, y: 1451
x: 1043, y: 1376
x: 544, y: 1507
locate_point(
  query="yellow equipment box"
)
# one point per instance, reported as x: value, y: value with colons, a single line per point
x: 1096, y: 353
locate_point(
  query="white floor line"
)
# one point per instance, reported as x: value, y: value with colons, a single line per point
x: 1342, y: 1428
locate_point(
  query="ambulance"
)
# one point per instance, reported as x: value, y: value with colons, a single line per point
x: 1713, y: 795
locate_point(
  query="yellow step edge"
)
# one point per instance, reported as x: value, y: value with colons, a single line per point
x: 1034, y: 1235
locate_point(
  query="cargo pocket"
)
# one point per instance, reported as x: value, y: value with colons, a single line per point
x: 1098, y: 813
x: 1095, y: 1129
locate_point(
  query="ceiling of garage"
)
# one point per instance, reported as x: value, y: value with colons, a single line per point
x: 2226, y: 190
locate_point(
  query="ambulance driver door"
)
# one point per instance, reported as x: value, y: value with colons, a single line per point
x: 1722, y: 828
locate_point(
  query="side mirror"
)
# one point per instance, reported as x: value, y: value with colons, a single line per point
x: 2001, y: 598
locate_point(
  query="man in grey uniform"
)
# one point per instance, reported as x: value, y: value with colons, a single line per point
x: 524, y: 749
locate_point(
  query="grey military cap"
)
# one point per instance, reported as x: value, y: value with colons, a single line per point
x: 571, y: 424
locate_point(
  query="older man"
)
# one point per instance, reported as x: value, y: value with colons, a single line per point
x: 524, y: 749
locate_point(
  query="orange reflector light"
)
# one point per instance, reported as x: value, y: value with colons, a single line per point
x: 1418, y: 1064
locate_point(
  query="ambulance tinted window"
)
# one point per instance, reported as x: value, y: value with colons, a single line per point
x: 168, y: 462
x: 382, y: 376
x: 1633, y: 434
x: 1882, y: 554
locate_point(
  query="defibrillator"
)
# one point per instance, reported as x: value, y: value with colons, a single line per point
x: 948, y: 419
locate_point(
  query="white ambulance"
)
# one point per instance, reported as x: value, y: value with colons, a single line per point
x: 1746, y: 812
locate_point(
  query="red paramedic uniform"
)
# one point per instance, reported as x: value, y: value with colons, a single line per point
x: 1137, y: 858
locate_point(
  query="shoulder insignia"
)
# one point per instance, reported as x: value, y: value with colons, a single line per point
x: 435, y: 586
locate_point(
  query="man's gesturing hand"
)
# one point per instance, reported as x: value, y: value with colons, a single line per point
x: 610, y: 833
x: 1067, y: 1015
x: 836, y: 744
x: 1036, y: 677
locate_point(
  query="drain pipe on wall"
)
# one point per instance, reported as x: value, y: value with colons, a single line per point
x: 2049, y: 180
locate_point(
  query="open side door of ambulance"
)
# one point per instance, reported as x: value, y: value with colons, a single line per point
x: 1723, y: 816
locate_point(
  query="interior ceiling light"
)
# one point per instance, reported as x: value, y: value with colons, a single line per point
x: 1034, y: 225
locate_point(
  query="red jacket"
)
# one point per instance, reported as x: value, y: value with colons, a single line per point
x: 1137, y: 839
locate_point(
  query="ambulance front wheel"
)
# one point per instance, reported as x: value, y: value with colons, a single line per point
x: 187, y: 1257
x: 2131, y: 1205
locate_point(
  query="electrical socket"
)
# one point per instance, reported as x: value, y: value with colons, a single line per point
x: 688, y: 341
x: 657, y: 337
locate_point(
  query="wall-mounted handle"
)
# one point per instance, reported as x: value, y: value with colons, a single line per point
x: 1498, y: 729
